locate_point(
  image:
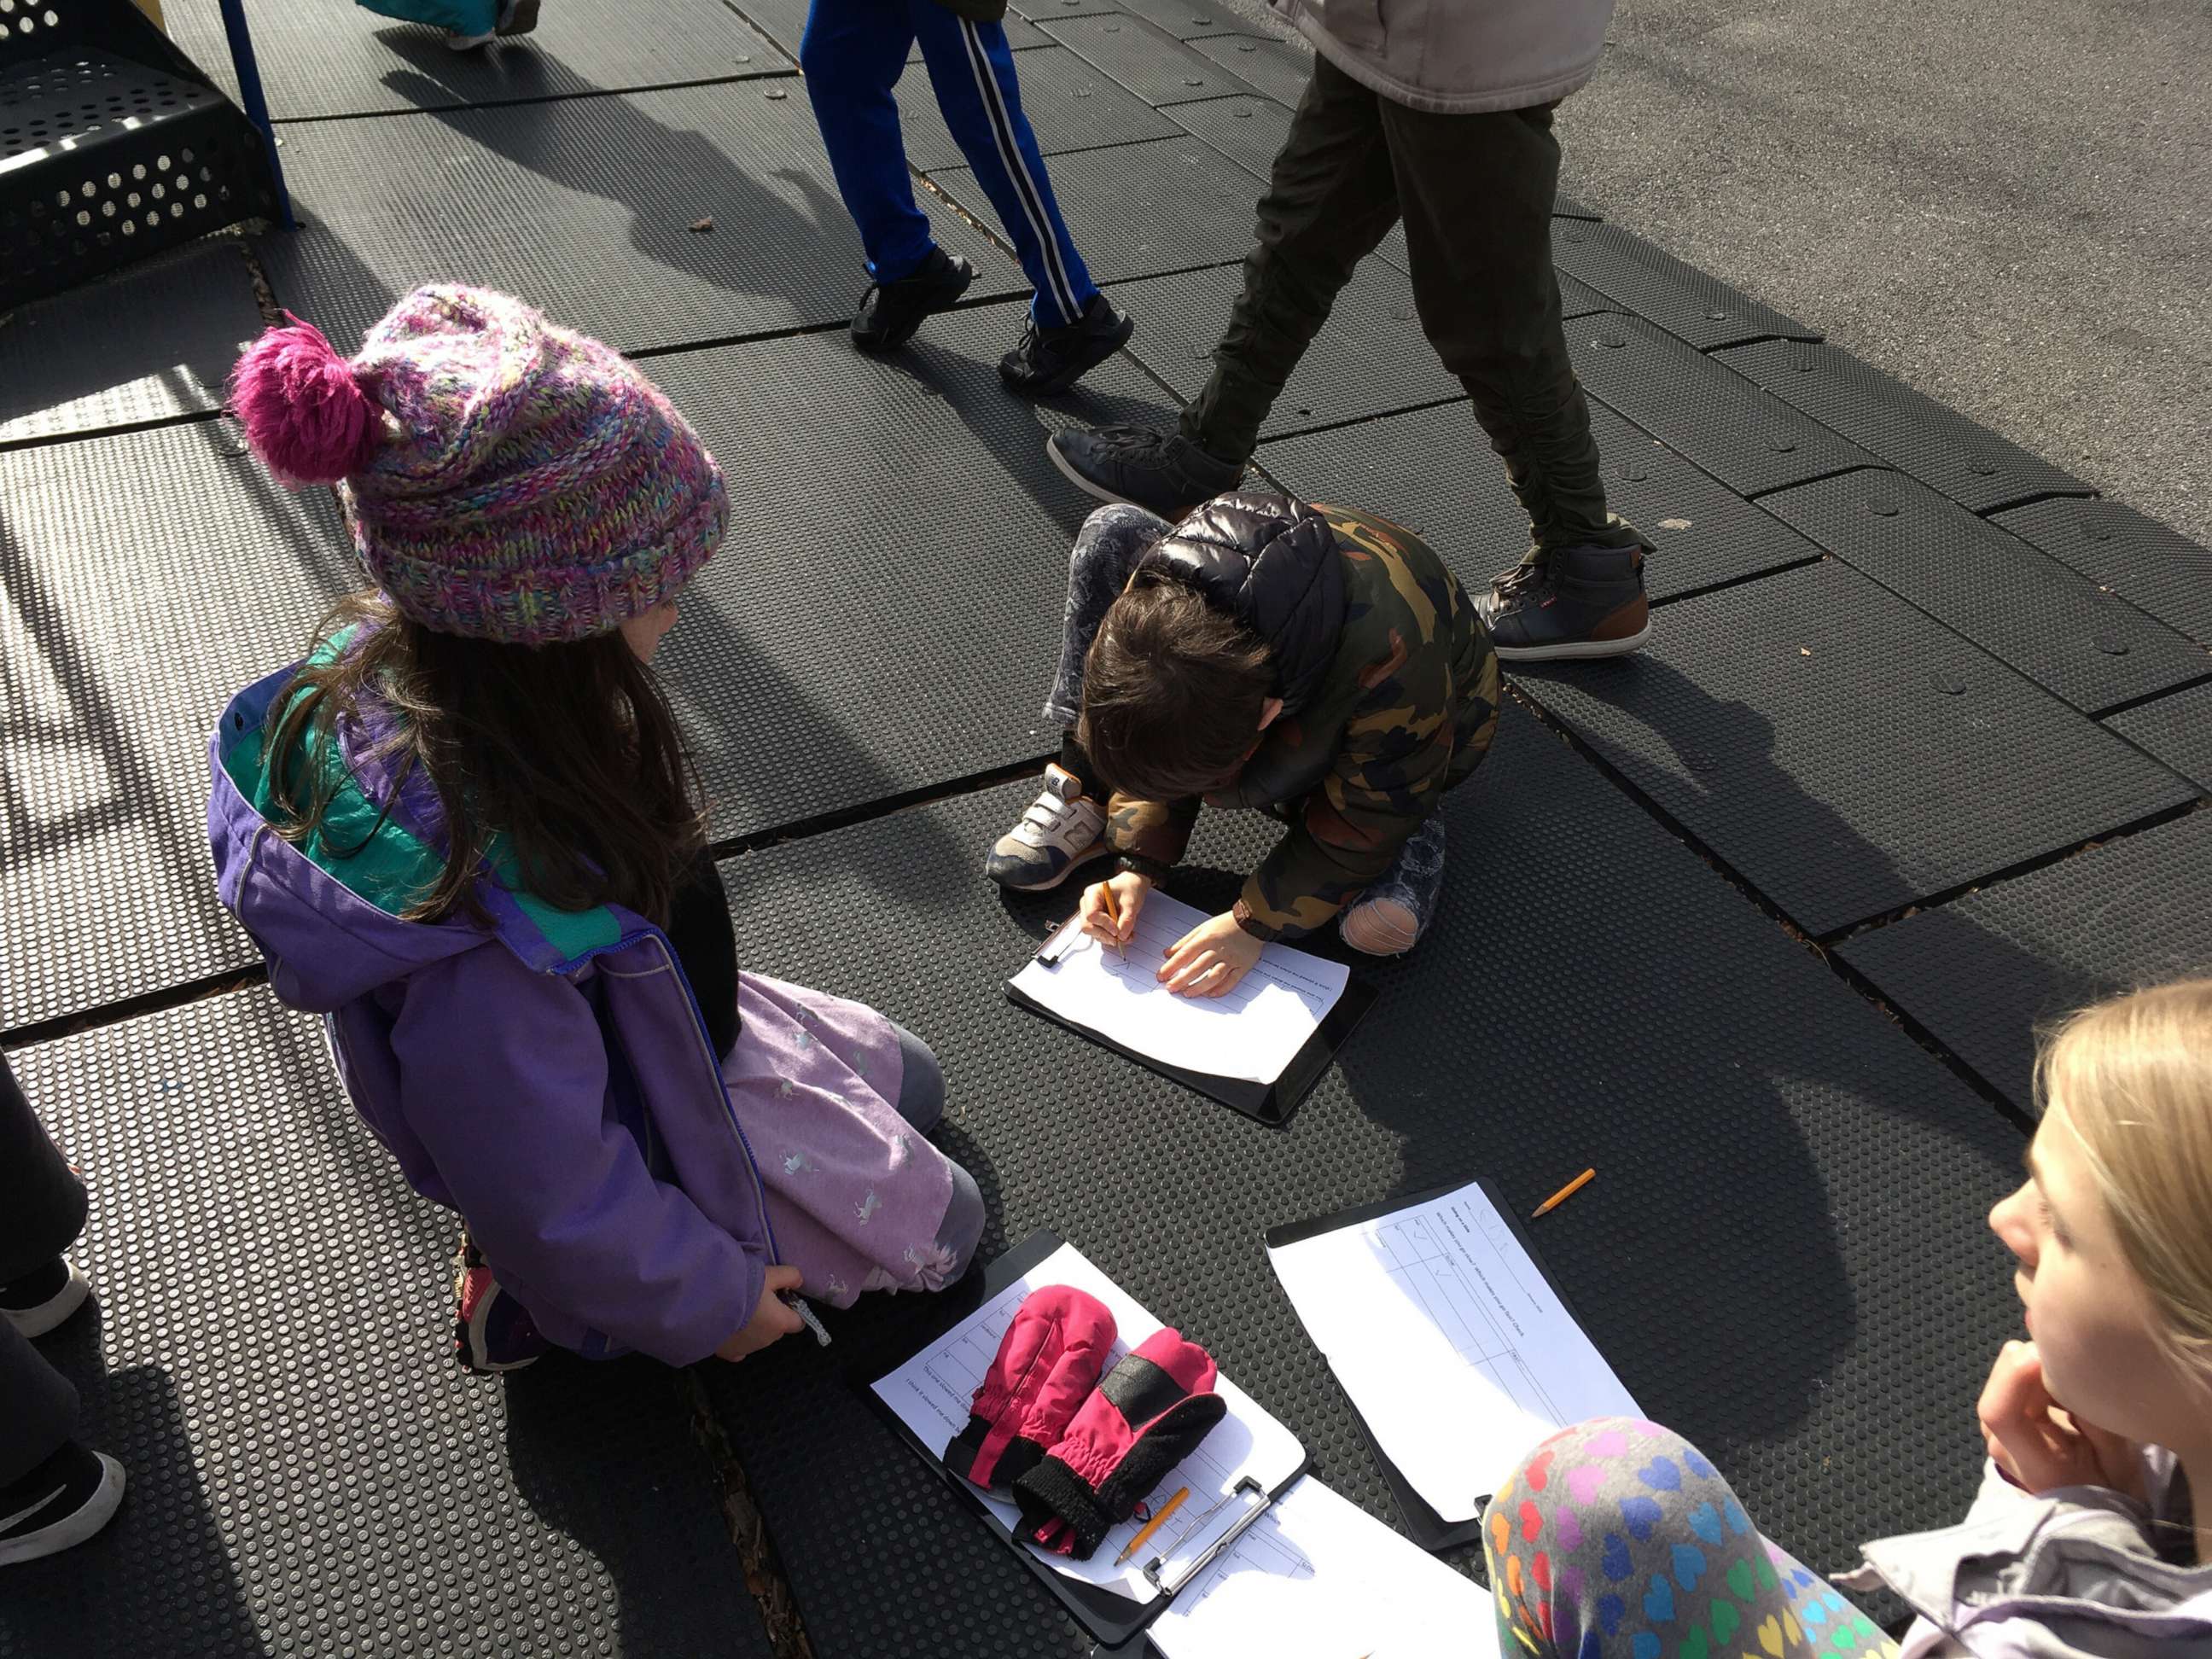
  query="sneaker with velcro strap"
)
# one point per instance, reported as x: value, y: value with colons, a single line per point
x: 1059, y: 831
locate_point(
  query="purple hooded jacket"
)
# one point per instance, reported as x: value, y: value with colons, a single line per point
x: 550, y: 1078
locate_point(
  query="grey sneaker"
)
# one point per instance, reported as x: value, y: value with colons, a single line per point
x: 1388, y: 919
x: 1163, y: 472
x: 1062, y: 830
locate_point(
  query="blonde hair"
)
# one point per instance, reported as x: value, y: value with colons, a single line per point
x: 2133, y: 1077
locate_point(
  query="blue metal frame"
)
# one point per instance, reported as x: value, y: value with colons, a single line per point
x: 255, y: 105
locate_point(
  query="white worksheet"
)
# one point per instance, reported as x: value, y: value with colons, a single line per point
x: 1254, y: 1032
x: 1318, y: 1577
x: 1449, y: 1342
x: 930, y: 1394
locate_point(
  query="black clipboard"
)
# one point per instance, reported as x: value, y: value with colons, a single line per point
x: 1427, y: 1528
x: 1271, y: 1103
x: 1111, y: 1617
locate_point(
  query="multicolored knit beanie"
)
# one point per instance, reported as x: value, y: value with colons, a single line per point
x: 505, y: 479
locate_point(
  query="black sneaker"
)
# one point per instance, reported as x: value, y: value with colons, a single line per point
x: 1050, y: 360
x: 1583, y: 602
x: 1163, y: 472
x: 63, y: 1501
x: 890, y: 312
x: 42, y: 1298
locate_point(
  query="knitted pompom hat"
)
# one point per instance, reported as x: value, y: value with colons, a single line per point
x: 505, y: 478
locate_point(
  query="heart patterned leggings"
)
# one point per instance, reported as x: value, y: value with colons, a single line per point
x: 1616, y: 1539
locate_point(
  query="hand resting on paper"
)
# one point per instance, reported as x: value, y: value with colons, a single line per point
x: 773, y: 1317
x: 1212, y: 958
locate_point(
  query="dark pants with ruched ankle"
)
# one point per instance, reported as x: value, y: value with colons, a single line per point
x: 41, y: 1211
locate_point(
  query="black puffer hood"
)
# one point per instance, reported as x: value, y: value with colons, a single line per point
x: 1271, y: 563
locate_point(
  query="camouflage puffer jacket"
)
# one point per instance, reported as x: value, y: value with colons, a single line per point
x: 1389, y: 693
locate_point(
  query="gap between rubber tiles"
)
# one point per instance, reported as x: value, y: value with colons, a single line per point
x: 2149, y: 564
x: 2027, y: 610
x: 2175, y: 729
x: 1701, y: 310
x: 1275, y: 68
x: 1720, y: 1047
x: 1434, y: 471
x: 1193, y: 20
x: 1914, y: 433
x: 317, y: 62
x: 144, y: 578
x: 549, y: 202
x: 153, y: 342
x: 1070, y: 107
x: 1842, y: 754
x: 890, y: 622
x: 1981, y: 974
x: 270, y: 1358
x: 1147, y: 61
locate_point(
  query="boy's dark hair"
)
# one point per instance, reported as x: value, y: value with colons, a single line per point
x: 569, y: 750
x: 1172, y: 692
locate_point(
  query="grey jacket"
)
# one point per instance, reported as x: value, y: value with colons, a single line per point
x: 1458, y: 56
x: 2072, y: 1574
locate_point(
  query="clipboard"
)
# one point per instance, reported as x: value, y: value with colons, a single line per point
x: 1113, y: 1619
x: 1271, y: 1103
x: 1422, y: 1524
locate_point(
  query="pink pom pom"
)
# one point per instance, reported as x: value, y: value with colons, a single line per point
x: 303, y: 411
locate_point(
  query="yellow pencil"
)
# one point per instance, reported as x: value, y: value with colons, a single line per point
x: 1563, y: 1193
x: 1153, y: 1525
x: 1114, y: 915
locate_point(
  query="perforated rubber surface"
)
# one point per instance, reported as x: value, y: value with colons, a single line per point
x: 2177, y: 729
x: 1749, y: 440
x: 1370, y: 357
x: 1754, y: 1165
x: 1844, y: 754
x: 151, y: 343
x: 1249, y: 130
x: 1655, y: 285
x: 1275, y: 68
x: 2146, y: 562
x: 1940, y: 446
x: 1193, y: 20
x: 309, y: 1471
x: 584, y: 207
x: 321, y: 61
x: 1984, y: 973
x: 2022, y: 607
x: 1140, y: 209
x: 812, y: 661
x: 1146, y: 60
x: 144, y: 577
x: 1434, y: 471
x: 1070, y: 106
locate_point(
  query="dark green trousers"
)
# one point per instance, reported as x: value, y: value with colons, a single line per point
x: 1476, y: 194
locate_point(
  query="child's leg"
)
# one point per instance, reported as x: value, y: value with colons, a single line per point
x: 1388, y: 919
x: 1617, y: 1537
x: 852, y: 52
x: 972, y: 69
x: 921, y: 1102
x: 1106, y: 550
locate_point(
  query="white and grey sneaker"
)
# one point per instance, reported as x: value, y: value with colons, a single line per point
x: 516, y: 17
x: 60, y: 1503
x: 1061, y: 831
x: 41, y: 1299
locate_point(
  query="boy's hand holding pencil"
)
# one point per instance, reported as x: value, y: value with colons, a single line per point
x: 1110, y: 907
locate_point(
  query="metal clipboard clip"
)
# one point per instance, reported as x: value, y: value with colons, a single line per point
x: 1061, y: 940
x: 1247, y: 1484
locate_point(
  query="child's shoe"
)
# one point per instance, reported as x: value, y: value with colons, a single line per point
x: 492, y: 1332
x: 1582, y: 602
x: 39, y: 1301
x: 1388, y: 919
x: 1050, y: 360
x: 515, y: 17
x: 890, y: 312
x: 63, y: 1501
x: 1163, y: 472
x: 1062, y: 830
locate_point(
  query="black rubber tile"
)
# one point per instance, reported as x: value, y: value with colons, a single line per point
x: 1655, y: 285
x: 1914, y: 433
x: 1022, y: 35
x: 154, y: 342
x: 2051, y: 623
x: 558, y: 205
x: 318, y: 60
x: 1071, y: 106
x: 1765, y: 1125
x: 1981, y: 974
x: 1249, y: 130
x: 2147, y: 563
x: 1751, y: 441
x: 2178, y: 729
x: 1567, y: 207
x: 1276, y: 68
x: 1146, y: 60
x: 270, y: 1359
x: 144, y: 577
x: 1045, y: 11
x: 1370, y: 357
x: 1843, y: 753
x: 1195, y: 19
x: 1140, y: 209
x: 1434, y: 471
x: 814, y: 664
